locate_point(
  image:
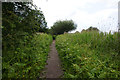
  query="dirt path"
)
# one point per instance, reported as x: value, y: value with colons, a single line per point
x: 53, y: 67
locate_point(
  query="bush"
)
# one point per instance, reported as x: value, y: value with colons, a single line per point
x: 27, y: 60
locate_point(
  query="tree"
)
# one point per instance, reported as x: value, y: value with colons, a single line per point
x: 60, y: 27
x: 92, y: 29
x: 23, y: 16
x: 20, y: 19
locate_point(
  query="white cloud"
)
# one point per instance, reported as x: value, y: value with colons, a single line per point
x: 84, y: 12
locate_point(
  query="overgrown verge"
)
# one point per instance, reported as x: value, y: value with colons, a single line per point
x: 23, y: 52
x: 89, y: 55
x: 27, y: 59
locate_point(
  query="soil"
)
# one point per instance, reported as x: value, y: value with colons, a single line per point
x: 53, y: 67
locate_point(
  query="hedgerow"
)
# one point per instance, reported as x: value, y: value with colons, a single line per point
x: 27, y: 60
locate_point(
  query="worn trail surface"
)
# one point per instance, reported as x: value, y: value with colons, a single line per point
x: 53, y: 67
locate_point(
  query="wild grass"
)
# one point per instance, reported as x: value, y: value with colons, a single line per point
x: 89, y: 55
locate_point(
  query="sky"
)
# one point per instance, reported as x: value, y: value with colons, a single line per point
x: 102, y: 14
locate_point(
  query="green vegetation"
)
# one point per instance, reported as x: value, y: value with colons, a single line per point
x: 23, y: 52
x: 89, y: 55
x: 60, y: 27
x: 91, y: 29
x: 27, y: 60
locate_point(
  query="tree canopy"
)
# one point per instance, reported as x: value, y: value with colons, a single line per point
x: 60, y: 27
x: 91, y: 29
x: 20, y: 21
x: 20, y: 16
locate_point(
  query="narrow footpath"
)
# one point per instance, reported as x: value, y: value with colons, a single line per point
x: 53, y: 67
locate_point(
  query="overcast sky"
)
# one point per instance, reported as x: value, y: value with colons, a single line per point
x: 102, y: 14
